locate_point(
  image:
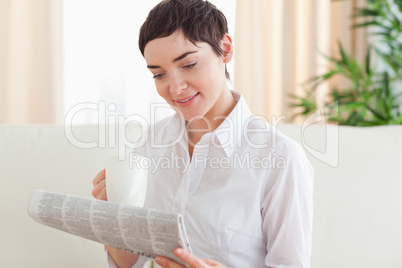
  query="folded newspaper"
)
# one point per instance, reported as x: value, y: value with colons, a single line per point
x: 141, y: 231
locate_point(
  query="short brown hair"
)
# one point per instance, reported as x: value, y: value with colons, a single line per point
x: 199, y: 20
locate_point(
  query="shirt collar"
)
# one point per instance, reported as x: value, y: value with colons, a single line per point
x: 230, y: 131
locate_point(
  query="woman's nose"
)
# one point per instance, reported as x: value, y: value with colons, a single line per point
x: 177, y: 84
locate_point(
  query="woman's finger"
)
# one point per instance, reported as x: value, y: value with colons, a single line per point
x: 189, y: 258
x: 99, y: 177
x: 103, y: 193
x: 167, y: 263
x: 212, y: 263
x: 99, y: 190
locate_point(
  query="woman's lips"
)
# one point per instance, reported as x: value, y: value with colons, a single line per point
x: 187, y: 101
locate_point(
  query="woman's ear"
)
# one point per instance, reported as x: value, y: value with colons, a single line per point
x: 227, y: 47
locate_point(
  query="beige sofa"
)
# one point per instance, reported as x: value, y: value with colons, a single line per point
x: 357, y: 194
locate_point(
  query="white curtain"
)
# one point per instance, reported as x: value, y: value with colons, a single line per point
x: 279, y: 46
x: 30, y: 61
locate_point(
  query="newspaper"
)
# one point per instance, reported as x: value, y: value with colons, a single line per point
x: 141, y: 231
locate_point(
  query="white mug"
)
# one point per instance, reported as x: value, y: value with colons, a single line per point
x: 126, y: 180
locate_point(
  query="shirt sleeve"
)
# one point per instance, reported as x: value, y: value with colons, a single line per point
x: 287, y: 208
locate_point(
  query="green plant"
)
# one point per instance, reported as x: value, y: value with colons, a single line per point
x: 371, y: 97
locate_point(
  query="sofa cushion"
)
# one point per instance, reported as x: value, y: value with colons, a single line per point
x: 357, y: 194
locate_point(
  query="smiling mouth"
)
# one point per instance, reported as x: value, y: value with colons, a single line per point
x: 186, y: 100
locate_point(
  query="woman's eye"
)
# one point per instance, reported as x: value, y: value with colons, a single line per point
x: 158, y: 76
x: 189, y: 66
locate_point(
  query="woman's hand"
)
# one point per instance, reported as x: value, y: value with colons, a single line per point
x: 99, y: 182
x: 187, y: 257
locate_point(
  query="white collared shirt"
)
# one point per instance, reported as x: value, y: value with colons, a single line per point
x: 246, y: 194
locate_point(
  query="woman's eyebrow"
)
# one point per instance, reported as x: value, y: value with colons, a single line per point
x: 153, y: 66
x: 184, y: 55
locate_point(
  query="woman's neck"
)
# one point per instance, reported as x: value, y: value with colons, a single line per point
x: 212, y: 119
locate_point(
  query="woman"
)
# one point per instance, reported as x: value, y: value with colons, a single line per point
x: 246, y: 193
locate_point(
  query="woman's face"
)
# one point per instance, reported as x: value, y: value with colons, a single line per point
x: 190, y: 78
